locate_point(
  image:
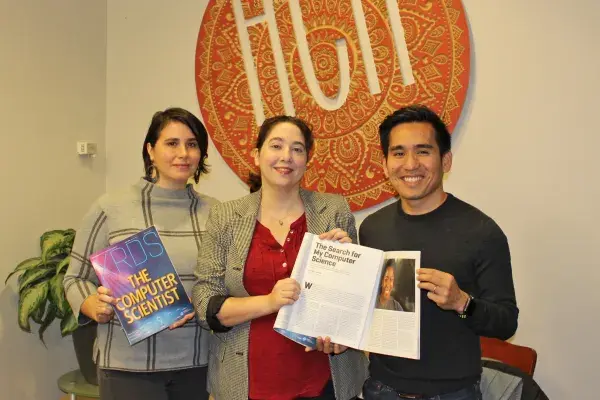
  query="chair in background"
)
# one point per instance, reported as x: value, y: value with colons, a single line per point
x: 514, y: 355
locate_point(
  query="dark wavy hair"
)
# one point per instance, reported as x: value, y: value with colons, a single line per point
x: 254, y: 180
x: 415, y: 113
x: 389, y: 263
x: 160, y: 120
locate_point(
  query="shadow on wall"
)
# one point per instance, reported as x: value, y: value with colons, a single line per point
x: 30, y: 370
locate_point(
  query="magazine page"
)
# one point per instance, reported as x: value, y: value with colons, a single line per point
x: 336, y: 290
x: 283, y: 316
x: 396, y: 322
x: 149, y: 293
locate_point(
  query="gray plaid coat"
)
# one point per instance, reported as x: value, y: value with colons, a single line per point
x: 220, y: 271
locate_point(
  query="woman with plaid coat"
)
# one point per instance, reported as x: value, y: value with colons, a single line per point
x: 246, y: 258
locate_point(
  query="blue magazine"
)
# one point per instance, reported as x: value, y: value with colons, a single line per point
x: 141, y: 276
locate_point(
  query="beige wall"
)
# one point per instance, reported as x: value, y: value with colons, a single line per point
x: 524, y: 150
x: 53, y: 93
x: 527, y: 154
x: 150, y: 66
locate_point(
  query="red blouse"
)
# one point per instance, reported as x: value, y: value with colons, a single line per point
x: 278, y: 368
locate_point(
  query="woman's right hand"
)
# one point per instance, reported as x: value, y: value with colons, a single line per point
x: 286, y: 291
x: 98, y: 306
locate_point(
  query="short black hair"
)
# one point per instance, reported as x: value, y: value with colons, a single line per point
x: 160, y: 120
x: 254, y: 180
x: 415, y: 113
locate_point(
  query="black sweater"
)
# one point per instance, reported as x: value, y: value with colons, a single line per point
x: 458, y: 239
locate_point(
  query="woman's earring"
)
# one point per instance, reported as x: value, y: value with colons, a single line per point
x: 151, y: 171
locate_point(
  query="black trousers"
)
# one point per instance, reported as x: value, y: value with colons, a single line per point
x: 184, y: 384
x: 327, y: 394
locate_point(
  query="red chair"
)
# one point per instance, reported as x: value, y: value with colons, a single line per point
x: 514, y: 355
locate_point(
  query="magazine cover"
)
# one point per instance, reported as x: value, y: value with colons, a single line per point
x: 149, y: 293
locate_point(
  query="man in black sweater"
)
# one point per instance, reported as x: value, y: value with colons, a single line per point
x: 466, y: 286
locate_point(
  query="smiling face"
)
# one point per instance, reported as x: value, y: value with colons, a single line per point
x: 387, y: 283
x: 283, y: 157
x: 415, y: 167
x: 175, y: 155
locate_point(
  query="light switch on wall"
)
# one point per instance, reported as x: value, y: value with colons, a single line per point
x: 86, y: 148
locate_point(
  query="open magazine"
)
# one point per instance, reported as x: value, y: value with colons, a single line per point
x: 360, y: 297
x: 149, y: 293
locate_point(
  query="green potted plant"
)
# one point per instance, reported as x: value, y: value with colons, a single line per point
x: 42, y: 297
x: 40, y: 284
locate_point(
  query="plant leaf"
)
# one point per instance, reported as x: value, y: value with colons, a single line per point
x: 64, y: 305
x: 57, y: 295
x: 55, y: 242
x: 48, y: 319
x: 38, y: 315
x: 34, y: 275
x: 64, y: 263
x: 29, y: 301
x: 24, y: 266
x: 69, y: 239
x: 68, y: 324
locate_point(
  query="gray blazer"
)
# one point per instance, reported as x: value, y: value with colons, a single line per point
x: 220, y: 271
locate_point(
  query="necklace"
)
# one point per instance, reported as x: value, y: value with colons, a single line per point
x: 280, y: 222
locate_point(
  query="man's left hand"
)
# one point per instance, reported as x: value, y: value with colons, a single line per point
x: 443, y: 289
x: 336, y: 234
x: 182, y: 321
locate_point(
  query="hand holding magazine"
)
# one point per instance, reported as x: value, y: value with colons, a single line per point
x: 360, y: 297
x: 141, y: 276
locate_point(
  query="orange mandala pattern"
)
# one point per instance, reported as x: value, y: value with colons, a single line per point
x: 347, y: 158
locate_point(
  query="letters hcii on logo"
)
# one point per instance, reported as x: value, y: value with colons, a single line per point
x: 341, y: 65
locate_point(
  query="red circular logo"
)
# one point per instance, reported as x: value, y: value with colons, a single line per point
x: 341, y: 65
